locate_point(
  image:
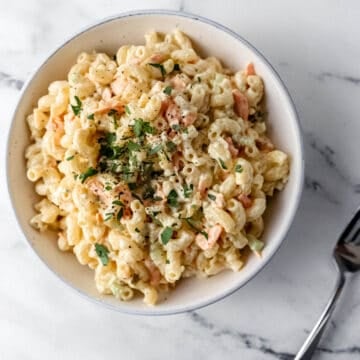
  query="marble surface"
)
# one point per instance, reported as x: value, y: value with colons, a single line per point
x: 314, y: 46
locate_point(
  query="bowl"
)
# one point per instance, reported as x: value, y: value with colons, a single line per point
x: 209, y: 38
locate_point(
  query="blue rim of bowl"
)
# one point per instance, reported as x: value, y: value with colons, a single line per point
x: 200, y: 304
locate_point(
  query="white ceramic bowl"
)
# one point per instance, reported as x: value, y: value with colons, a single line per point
x: 209, y: 38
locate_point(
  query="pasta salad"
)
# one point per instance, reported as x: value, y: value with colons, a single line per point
x: 153, y: 165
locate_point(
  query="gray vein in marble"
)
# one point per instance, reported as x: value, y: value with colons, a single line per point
x: 283, y: 63
x: 182, y: 5
x: 314, y: 185
x: 249, y: 341
x: 10, y: 81
x: 259, y: 343
x: 347, y: 78
x: 347, y: 350
x: 326, y: 152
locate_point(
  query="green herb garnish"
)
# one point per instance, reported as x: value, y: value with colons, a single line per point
x: 89, y: 172
x: 155, y: 149
x: 212, y: 197
x: 159, y: 66
x: 120, y: 214
x: 166, y: 235
x: 102, y: 252
x: 188, y: 189
x: 222, y: 164
x: 70, y: 157
x: 142, y: 127
x: 148, y: 193
x: 78, y: 107
x: 204, y: 234
x: 113, y: 113
x: 176, y: 67
x: 91, y: 116
x: 110, y: 137
x: 154, y: 219
x: 172, y: 198
x: 179, y: 128
x: 127, y: 110
x: 167, y: 90
x: 170, y: 146
x: 118, y: 202
x: 108, y: 216
x: 193, y: 224
x: 132, y: 146
x: 238, y: 168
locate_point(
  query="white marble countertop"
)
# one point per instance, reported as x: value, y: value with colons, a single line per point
x: 315, y: 48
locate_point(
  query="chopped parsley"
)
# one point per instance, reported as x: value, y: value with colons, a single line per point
x: 160, y: 67
x: 102, y: 252
x: 120, y: 214
x: 155, y: 149
x: 204, y: 233
x: 154, y: 219
x: 132, y: 146
x: 222, y: 164
x: 78, y: 107
x: 89, y: 172
x: 137, y: 230
x: 167, y: 90
x: 114, y: 114
x: 212, y: 197
x: 172, y: 198
x: 127, y: 110
x: 188, y: 189
x: 70, y: 158
x: 166, y: 235
x: 110, y: 137
x: 108, y: 216
x: 170, y: 146
x: 148, y: 193
x: 118, y: 202
x: 179, y: 128
x: 108, y: 187
x: 176, y: 67
x: 238, y: 168
x: 91, y: 116
x: 142, y: 127
x: 193, y: 224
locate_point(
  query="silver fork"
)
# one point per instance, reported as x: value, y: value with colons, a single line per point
x: 347, y: 259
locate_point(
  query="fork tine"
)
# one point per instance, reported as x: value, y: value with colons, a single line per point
x: 351, y: 231
x: 356, y: 237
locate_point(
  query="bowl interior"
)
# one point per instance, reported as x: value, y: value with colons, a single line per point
x: 209, y: 39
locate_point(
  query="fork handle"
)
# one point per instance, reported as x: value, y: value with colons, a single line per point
x: 307, y: 350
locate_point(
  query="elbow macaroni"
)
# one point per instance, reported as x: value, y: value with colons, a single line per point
x: 147, y: 170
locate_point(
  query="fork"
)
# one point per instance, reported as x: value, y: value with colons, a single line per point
x: 347, y: 259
